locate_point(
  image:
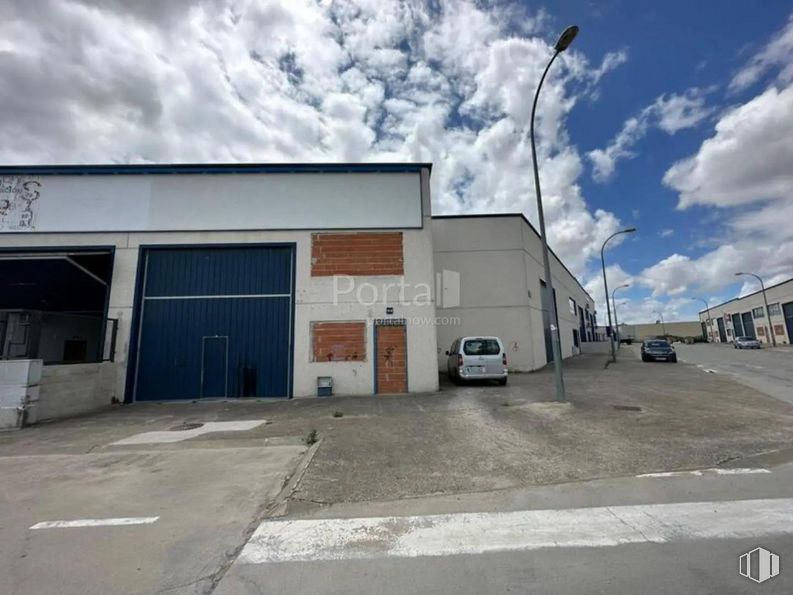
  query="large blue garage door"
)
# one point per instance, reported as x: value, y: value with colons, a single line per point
x: 215, y: 322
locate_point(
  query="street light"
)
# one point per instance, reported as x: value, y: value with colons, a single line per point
x: 606, y: 284
x: 663, y: 324
x: 564, y: 41
x: 616, y: 320
x: 765, y: 301
x: 707, y: 319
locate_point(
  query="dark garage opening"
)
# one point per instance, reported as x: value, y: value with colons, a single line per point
x: 53, y: 305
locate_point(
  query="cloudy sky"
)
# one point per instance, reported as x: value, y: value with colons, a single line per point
x: 676, y: 117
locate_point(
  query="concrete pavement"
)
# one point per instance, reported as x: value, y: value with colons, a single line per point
x: 65, y: 515
x: 473, y: 449
x: 655, y: 535
x: 769, y: 371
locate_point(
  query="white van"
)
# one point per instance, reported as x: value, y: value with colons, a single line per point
x: 477, y: 358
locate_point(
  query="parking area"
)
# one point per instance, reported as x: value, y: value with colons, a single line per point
x: 209, y: 487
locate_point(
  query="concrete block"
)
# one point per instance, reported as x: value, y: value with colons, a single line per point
x: 20, y: 371
x: 10, y: 418
x: 12, y: 395
x: 31, y: 414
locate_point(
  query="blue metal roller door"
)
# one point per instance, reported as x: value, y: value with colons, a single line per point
x: 748, y: 325
x: 215, y: 322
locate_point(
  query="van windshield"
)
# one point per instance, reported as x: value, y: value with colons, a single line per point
x: 481, y: 347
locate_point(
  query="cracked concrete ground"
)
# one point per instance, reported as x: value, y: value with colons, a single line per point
x: 209, y: 495
x: 211, y: 490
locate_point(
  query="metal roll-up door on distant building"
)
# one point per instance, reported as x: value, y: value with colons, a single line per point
x: 748, y: 325
x: 215, y: 322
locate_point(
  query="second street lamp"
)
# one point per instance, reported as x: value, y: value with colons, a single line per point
x: 606, y: 285
x: 765, y: 301
x: 707, y: 319
x: 564, y: 41
x: 663, y: 324
x: 616, y: 320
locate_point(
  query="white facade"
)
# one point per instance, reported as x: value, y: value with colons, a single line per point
x: 129, y: 211
x: 499, y: 262
x: 735, y: 316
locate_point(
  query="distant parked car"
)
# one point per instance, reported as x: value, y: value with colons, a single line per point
x: 658, y: 349
x: 477, y: 358
x: 746, y: 343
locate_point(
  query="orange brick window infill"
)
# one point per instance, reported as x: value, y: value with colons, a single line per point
x: 338, y: 341
x: 357, y: 254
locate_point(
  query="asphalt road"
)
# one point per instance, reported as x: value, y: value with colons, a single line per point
x: 559, y: 542
x: 769, y: 371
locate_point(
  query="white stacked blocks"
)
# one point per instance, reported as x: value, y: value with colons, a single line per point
x: 19, y: 392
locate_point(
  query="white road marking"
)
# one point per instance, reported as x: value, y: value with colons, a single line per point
x: 699, y: 472
x: 478, y: 533
x: 740, y: 471
x: 167, y: 436
x: 143, y: 520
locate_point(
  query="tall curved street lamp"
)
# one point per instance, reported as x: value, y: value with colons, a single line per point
x: 614, y: 305
x: 707, y: 318
x: 606, y: 284
x: 564, y: 41
x: 765, y: 301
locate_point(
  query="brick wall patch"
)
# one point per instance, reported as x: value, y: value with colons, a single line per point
x: 356, y: 254
x: 338, y: 341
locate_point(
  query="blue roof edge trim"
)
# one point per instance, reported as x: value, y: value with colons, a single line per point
x: 210, y: 168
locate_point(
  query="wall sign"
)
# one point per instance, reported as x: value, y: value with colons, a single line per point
x: 218, y: 202
x: 18, y: 196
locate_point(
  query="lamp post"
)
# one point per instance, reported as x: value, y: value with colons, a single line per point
x: 564, y: 41
x: 616, y: 320
x: 765, y: 302
x: 663, y: 324
x: 606, y: 284
x: 707, y: 317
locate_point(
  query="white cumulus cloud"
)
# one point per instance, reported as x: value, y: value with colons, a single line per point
x: 671, y: 113
x: 775, y: 54
x: 261, y: 80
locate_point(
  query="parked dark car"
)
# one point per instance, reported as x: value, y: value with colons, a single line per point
x: 657, y: 349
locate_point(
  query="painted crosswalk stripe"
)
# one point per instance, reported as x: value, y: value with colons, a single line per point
x: 478, y: 533
x: 714, y: 471
x: 142, y: 520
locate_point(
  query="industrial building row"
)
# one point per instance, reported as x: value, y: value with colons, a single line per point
x: 747, y: 316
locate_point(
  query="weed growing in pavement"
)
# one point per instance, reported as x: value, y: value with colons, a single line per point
x: 311, y: 438
x: 338, y: 414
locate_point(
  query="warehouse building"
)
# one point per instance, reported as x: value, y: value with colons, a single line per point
x: 491, y: 279
x: 154, y: 282
x: 747, y: 316
x: 140, y: 283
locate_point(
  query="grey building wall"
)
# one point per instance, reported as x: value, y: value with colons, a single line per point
x: 499, y: 261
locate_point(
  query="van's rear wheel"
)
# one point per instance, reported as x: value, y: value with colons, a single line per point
x: 502, y: 381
